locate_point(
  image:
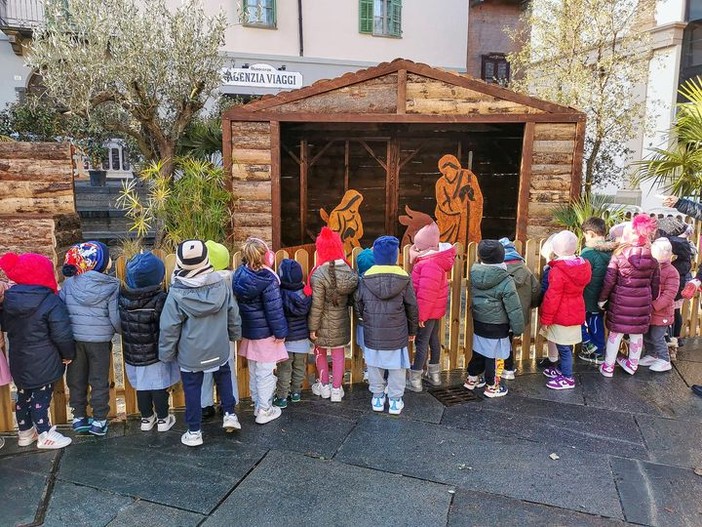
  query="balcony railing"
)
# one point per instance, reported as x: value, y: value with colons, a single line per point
x: 20, y: 15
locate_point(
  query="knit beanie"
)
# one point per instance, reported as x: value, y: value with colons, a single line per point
x: 364, y: 261
x: 290, y: 273
x: 511, y: 253
x: 670, y: 226
x: 145, y: 270
x: 329, y: 246
x: 662, y: 250
x: 218, y: 254
x: 428, y: 237
x: 84, y: 257
x: 386, y: 250
x: 491, y: 252
x: 546, y: 250
x: 192, y: 259
x: 29, y: 269
x: 564, y: 243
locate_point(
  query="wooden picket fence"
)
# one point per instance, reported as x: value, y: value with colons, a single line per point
x: 456, y: 337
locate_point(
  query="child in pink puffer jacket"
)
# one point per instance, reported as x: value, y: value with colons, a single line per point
x: 431, y: 261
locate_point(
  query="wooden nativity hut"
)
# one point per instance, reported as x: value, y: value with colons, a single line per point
x: 384, y: 149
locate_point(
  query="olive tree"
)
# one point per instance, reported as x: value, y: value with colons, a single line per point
x: 140, y: 69
x: 592, y: 55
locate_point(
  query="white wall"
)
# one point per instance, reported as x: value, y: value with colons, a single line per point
x: 13, y: 73
x: 437, y: 36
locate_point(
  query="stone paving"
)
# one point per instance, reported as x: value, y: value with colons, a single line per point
x: 627, y: 448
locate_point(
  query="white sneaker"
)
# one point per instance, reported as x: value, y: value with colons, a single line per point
x: 508, y: 375
x: 191, y: 438
x: 27, y: 437
x: 647, y: 360
x: 164, y: 425
x: 323, y: 390
x: 52, y: 439
x: 378, y: 403
x: 266, y: 416
x: 337, y: 394
x: 396, y: 406
x: 660, y: 365
x: 231, y: 423
x: 148, y: 423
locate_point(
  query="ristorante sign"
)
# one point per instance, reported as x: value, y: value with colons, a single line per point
x: 262, y: 76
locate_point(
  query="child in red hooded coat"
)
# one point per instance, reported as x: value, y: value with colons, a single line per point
x: 563, y: 307
x: 41, y: 344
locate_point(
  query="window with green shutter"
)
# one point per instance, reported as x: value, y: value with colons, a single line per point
x: 380, y: 17
x: 259, y: 13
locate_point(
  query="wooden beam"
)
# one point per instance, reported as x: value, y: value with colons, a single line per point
x: 402, y: 91
x: 321, y: 152
x: 576, y: 178
x: 311, y: 117
x: 275, y: 184
x: 292, y: 154
x: 392, y: 185
x: 370, y: 151
x: 409, y: 157
x: 347, y: 164
x: 525, y: 181
x: 304, y: 169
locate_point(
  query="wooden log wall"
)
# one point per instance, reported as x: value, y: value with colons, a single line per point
x: 37, y: 214
x: 251, y: 158
x: 434, y: 97
x: 551, y: 181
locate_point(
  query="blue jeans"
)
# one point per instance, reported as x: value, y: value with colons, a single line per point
x: 593, y: 330
x: 566, y: 355
x: 192, y: 388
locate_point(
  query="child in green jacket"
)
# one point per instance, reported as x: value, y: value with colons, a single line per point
x: 496, y: 311
x: 598, y: 252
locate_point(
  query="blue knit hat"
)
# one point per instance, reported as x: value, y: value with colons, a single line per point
x: 386, y: 250
x: 290, y: 273
x: 511, y: 253
x: 145, y: 270
x: 364, y: 261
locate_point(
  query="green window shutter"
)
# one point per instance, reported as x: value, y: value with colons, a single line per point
x: 365, y: 16
x: 395, y: 18
x: 274, y: 13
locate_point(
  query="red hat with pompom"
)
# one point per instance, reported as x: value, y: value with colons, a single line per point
x: 29, y: 269
x: 329, y: 248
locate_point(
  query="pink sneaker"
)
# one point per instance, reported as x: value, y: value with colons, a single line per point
x: 627, y: 365
x: 607, y: 370
x: 552, y: 372
x: 561, y: 383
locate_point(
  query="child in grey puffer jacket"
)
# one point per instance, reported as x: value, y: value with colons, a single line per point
x: 198, y: 320
x: 91, y: 297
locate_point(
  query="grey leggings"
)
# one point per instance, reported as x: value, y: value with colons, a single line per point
x: 427, y: 339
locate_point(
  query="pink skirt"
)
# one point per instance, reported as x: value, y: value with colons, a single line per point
x: 263, y: 350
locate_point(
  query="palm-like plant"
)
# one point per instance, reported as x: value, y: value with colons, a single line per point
x: 572, y: 215
x: 679, y: 168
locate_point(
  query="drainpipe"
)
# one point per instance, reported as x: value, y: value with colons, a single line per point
x: 299, y: 27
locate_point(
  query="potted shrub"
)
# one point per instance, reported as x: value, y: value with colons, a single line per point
x: 96, y: 153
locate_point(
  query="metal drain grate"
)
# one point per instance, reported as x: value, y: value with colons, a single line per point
x: 453, y: 395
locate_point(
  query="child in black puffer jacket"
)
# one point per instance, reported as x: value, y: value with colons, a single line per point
x: 140, y: 306
x: 296, y: 306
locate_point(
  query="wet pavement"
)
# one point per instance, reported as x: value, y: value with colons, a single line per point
x: 627, y: 449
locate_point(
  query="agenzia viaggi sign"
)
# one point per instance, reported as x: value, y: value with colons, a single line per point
x: 262, y: 76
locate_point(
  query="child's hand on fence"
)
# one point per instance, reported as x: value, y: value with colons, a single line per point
x: 313, y: 335
x: 421, y: 324
x: 602, y: 304
x: 412, y: 337
x: 690, y: 289
x: 670, y: 201
x: 66, y: 361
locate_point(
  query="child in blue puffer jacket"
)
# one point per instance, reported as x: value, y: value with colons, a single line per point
x: 296, y: 306
x: 263, y: 325
x: 91, y: 297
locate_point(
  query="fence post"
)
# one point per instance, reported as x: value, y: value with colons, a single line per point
x: 471, y: 255
x: 455, y: 285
